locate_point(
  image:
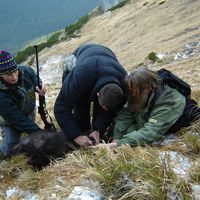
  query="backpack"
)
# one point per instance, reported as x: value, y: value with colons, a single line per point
x: 68, y: 64
x: 175, y: 82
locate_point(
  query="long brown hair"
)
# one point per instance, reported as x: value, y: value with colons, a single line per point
x: 140, y: 79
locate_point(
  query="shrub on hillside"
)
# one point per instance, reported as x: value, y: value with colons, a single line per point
x: 152, y: 56
x: 78, y: 25
x: 24, y: 54
x: 53, y: 39
x: 119, y: 5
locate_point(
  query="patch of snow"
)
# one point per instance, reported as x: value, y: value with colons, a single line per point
x: 160, y: 55
x: 83, y: 193
x: 53, y: 196
x: 171, y: 193
x: 190, y: 50
x: 169, y: 139
x: 193, y: 44
x: 179, y: 163
x: 12, y: 191
x: 177, y: 56
x: 51, y: 70
x: 196, y: 191
x: 106, y: 15
x: 57, y: 186
x: 125, y: 183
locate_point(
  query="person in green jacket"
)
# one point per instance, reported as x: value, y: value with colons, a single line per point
x: 153, y: 110
x: 18, y: 85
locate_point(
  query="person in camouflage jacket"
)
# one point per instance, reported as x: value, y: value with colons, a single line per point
x: 153, y: 110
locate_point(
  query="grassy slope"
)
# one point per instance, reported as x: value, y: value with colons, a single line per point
x: 137, y: 29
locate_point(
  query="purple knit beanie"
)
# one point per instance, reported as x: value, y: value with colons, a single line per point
x: 7, y: 63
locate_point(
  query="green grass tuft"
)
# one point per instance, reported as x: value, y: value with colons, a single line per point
x: 153, y: 57
x: 78, y: 25
x: 23, y: 55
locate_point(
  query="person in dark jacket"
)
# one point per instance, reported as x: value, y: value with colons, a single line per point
x: 18, y: 85
x: 96, y: 77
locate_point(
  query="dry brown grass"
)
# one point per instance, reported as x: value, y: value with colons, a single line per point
x: 195, y: 172
x: 59, y: 178
x: 126, y: 173
x: 11, y: 169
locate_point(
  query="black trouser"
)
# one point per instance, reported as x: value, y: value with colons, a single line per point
x: 191, y: 113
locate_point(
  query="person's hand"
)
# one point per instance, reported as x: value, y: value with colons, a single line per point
x: 111, y: 145
x: 114, y: 141
x: 41, y: 91
x: 83, y: 141
x: 95, y: 135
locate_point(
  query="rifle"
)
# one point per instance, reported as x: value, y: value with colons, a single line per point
x: 46, y: 118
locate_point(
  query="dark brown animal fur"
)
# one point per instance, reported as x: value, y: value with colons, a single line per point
x: 42, y: 147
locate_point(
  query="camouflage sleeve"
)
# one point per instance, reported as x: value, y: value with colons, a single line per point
x: 122, y: 121
x: 164, y: 114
